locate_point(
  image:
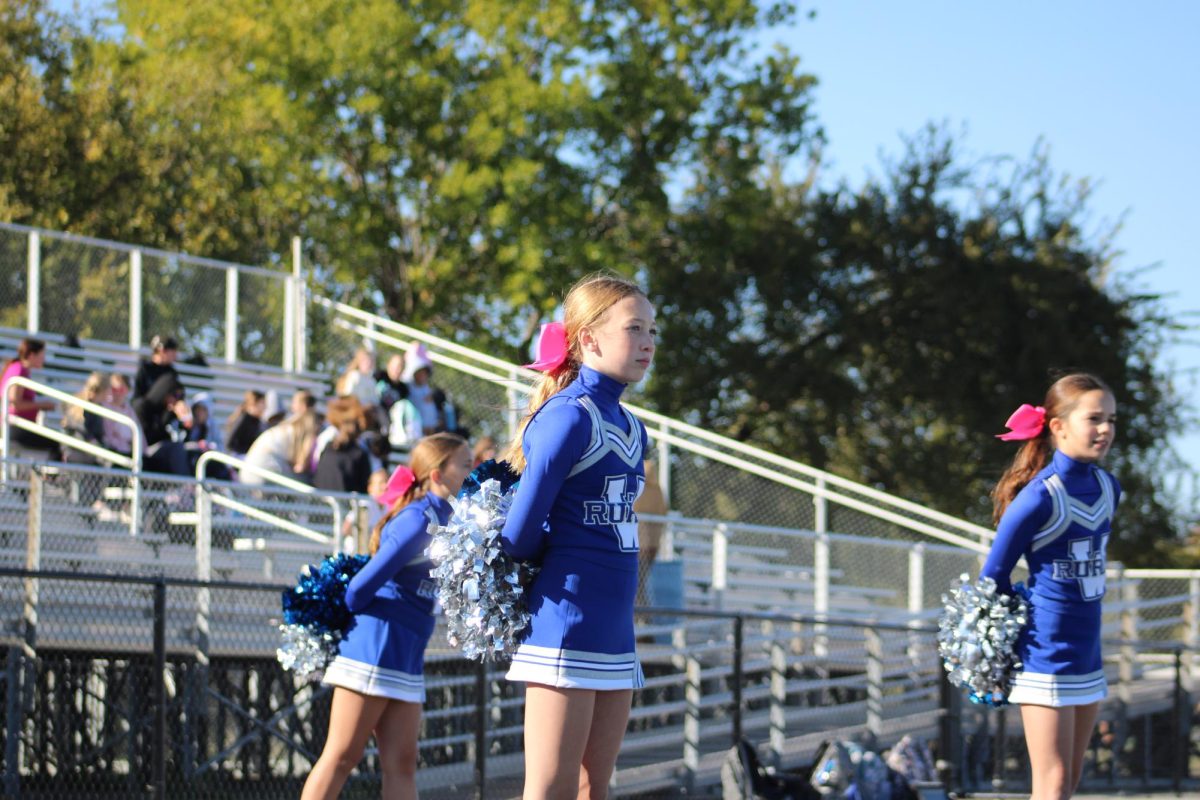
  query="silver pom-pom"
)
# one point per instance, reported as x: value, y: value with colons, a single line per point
x: 480, y: 587
x: 304, y: 652
x: 977, y: 636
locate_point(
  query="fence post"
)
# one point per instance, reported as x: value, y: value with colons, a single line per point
x: 874, y: 648
x: 481, y: 722
x: 135, y: 299
x: 13, y: 721
x: 949, y: 733
x: 199, y: 678
x: 289, y: 324
x: 231, y: 314
x: 664, y: 464
x: 720, y: 564
x: 821, y: 594
x: 33, y: 284
x: 776, y: 715
x: 916, y: 599
x: 1193, y: 611
x: 301, y: 302
x: 739, y: 652
x: 691, y: 723
x: 159, y: 773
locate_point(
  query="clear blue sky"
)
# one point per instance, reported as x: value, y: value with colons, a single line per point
x: 1112, y: 87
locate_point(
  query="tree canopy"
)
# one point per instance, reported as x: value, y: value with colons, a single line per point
x: 456, y: 165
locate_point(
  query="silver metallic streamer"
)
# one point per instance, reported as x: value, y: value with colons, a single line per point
x: 304, y: 652
x: 480, y: 587
x: 977, y: 636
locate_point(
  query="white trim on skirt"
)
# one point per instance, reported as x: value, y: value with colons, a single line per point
x: 1041, y: 689
x: 374, y: 680
x: 576, y: 669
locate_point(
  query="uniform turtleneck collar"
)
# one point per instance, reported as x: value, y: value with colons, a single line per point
x: 1066, y: 465
x: 600, y: 385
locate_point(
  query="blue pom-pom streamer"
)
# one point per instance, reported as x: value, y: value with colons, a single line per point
x: 315, y: 615
x: 490, y: 470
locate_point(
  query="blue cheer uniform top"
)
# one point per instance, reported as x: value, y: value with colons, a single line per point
x: 392, y: 597
x: 573, y: 515
x: 1060, y: 522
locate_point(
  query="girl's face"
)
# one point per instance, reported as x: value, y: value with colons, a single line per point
x: 621, y: 344
x: 456, y: 469
x: 36, y: 360
x: 1087, y: 432
x: 118, y: 391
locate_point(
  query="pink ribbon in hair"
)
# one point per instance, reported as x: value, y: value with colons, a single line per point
x: 552, y: 348
x: 397, y: 485
x: 1026, y: 422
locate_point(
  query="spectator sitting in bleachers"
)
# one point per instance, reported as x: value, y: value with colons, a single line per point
x: 358, y: 380
x: 404, y: 425
x: 83, y: 424
x: 164, y: 350
x: 119, y: 437
x: 437, y: 413
x: 158, y: 410
x: 245, y: 423
x: 22, y: 402
x: 389, y: 383
x: 283, y: 448
x: 344, y: 465
x: 302, y: 402
x: 203, y: 435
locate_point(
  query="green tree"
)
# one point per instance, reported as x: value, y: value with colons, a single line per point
x: 885, y: 334
x: 456, y: 164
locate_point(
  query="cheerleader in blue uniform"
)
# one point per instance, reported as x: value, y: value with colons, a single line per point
x: 580, y: 458
x: 1055, y: 507
x: 378, y: 670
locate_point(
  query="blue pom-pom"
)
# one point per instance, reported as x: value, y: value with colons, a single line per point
x: 318, y: 600
x: 490, y: 470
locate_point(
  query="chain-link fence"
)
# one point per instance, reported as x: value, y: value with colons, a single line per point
x: 110, y: 690
x: 112, y: 292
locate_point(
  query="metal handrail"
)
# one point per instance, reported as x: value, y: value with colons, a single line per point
x: 133, y: 461
x: 265, y: 516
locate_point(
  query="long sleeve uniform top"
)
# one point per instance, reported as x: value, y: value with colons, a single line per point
x: 1060, y: 522
x: 397, y: 576
x: 561, y: 502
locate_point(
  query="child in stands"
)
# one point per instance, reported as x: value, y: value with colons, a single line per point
x: 580, y: 459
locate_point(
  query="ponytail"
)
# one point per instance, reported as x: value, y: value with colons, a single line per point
x: 1061, y: 398
x: 1031, y: 459
x: 585, y: 305
x: 548, y: 386
x: 430, y: 453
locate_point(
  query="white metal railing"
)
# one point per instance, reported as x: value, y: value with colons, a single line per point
x: 688, y: 438
x: 133, y: 461
x: 206, y: 498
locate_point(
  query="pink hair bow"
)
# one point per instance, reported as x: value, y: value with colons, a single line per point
x: 552, y: 348
x: 397, y: 485
x: 1026, y: 422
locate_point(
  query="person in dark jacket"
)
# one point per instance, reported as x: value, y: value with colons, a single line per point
x: 164, y: 350
x: 344, y: 465
x: 156, y: 410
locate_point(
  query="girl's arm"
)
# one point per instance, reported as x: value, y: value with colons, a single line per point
x: 403, y: 538
x: 1024, y: 517
x: 553, y: 442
